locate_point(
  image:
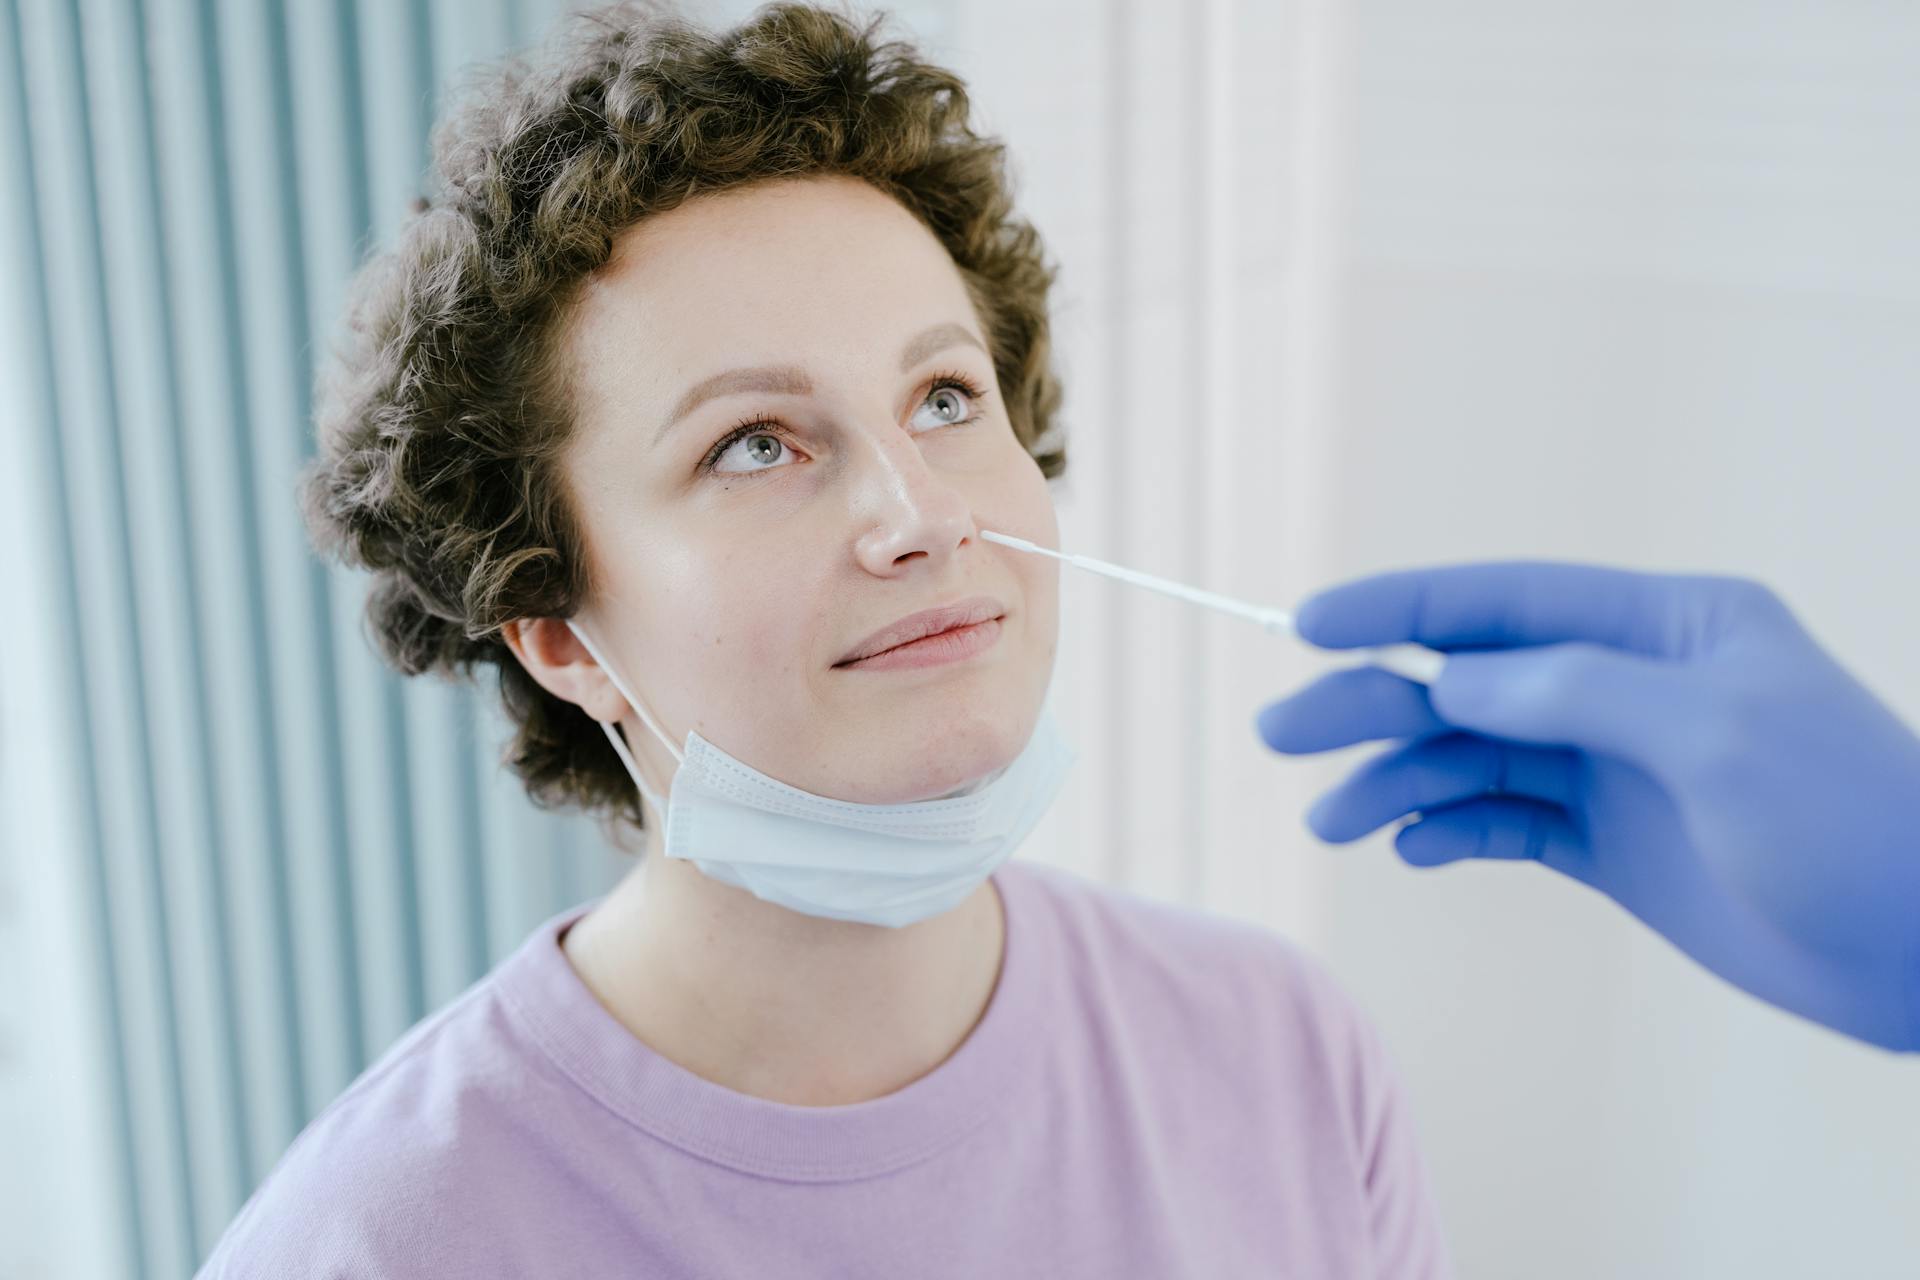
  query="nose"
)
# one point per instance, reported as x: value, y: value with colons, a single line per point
x: 909, y: 511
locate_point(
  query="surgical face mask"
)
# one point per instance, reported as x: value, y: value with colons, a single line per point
x: 885, y: 864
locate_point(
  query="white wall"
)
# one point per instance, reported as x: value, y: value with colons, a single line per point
x: 1635, y: 283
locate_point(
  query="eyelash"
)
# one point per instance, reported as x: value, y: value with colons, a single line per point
x: 760, y: 424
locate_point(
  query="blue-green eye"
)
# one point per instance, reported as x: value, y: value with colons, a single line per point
x: 767, y: 442
x: 770, y: 446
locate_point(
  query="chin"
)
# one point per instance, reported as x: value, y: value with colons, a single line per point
x: 959, y: 789
x: 986, y: 755
x: 940, y: 749
x: 952, y: 769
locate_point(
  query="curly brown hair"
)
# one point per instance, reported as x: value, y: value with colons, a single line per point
x: 444, y: 416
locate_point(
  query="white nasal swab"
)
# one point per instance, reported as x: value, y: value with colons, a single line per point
x: 1414, y: 661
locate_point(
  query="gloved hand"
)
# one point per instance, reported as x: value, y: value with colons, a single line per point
x: 1677, y: 742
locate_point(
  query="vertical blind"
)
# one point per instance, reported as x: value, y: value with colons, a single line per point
x: 291, y: 854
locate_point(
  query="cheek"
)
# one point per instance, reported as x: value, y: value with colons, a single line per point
x: 743, y: 611
x: 1024, y: 507
x: 1042, y: 586
x: 1023, y: 502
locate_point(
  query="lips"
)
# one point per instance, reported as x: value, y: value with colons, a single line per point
x: 929, y: 622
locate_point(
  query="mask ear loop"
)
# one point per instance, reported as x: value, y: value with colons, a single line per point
x: 612, y: 730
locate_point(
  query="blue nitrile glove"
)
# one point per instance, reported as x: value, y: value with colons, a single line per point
x: 1677, y: 742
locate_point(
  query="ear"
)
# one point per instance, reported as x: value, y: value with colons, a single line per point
x: 554, y: 657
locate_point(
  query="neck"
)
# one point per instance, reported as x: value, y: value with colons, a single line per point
x: 782, y: 1005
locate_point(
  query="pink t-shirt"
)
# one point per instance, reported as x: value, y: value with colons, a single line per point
x: 1152, y: 1091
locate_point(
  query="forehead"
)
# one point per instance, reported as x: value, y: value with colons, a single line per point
x: 809, y: 271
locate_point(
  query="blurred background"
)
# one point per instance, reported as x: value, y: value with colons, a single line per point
x: 1344, y: 287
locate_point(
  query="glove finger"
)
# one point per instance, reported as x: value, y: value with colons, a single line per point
x: 1441, y: 771
x: 1495, y: 827
x: 1579, y: 695
x: 1354, y: 705
x: 1501, y: 604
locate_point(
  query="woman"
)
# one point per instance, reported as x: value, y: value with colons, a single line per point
x: 712, y: 361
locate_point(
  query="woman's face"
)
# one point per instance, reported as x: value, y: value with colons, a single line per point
x: 732, y: 572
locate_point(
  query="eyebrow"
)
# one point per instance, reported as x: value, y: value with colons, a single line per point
x: 787, y: 379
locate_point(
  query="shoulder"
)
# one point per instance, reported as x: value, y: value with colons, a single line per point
x: 386, y: 1173
x: 1239, y: 1030
x: 1210, y: 976
x: 1178, y: 947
